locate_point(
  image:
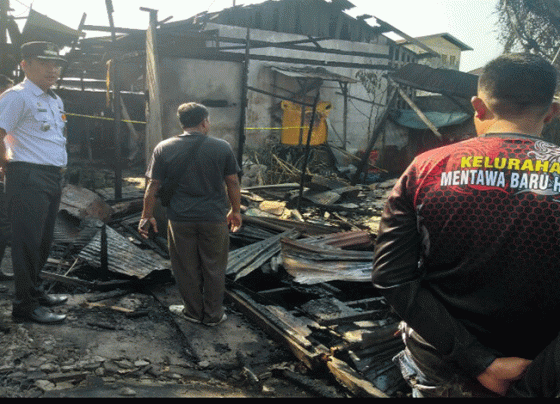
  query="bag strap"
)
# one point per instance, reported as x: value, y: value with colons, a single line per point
x: 190, y: 153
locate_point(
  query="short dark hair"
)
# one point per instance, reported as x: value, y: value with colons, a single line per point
x: 5, y: 81
x: 192, y: 114
x: 519, y: 81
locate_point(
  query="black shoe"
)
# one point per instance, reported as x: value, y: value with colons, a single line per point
x: 53, y: 300
x: 41, y: 315
x: 6, y: 277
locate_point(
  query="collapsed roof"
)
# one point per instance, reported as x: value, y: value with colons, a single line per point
x: 440, y: 81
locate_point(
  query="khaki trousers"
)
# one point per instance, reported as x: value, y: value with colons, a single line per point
x: 198, y: 253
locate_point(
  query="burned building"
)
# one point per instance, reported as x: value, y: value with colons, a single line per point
x: 290, y: 75
x: 258, y: 67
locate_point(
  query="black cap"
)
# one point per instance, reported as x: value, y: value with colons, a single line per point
x: 41, y: 50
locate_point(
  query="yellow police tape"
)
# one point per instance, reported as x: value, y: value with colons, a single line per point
x: 102, y: 118
x: 144, y: 123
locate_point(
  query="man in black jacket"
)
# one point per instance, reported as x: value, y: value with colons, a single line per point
x: 467, y: 253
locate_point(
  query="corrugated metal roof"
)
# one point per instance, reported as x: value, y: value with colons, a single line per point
x: 310, y: 72
x: 410, y: 119
x: 445, y: 35
x: 316, y: 18
x: 123, y: 257
x: 440, y: 81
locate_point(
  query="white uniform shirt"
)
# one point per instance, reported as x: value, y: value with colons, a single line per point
x: 34, y: 122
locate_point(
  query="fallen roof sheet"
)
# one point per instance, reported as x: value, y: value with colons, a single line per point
x: 123, y: 257
x: 320, y: 259
x: 314, y: 73
x: 316, y: 18
x: 441, y: 81
x: 410, y: 119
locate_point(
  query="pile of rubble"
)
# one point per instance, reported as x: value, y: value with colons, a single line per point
x: 299, y: 269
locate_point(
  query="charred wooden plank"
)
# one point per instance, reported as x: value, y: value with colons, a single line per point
x: 352, y: 380
x: 263, y: 318
x: 310, y: 385
x: 107, y: 295
x: 91, y: 285
x: 69, y: 280
x: 305, y: 228
x: 366, y: 315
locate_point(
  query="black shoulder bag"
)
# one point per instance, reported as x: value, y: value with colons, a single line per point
x: 169, y: 185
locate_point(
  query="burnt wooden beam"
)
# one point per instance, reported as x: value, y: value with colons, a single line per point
x: 419, y: 112
x: 307, y: 146
x: 244, y: 102
x: 293, y: 46
x: 258, y: 90
x: 366, y: 315
x: 119, y: 30
x: 318, y: 357
x: 376, y: 131
x: 352, y: 380
x: 261, y: 317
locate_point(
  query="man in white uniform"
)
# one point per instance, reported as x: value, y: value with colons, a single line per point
x: 33, y: 156
x: 5, y: 230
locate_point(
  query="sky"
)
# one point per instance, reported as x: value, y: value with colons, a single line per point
x: 473, y: 22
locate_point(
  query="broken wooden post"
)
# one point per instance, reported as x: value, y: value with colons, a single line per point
x: 376, y: 130
x: 344, y: 87
x: 244, y: 100
x: 104, y: 249
x: 154, y: 110
x: 117, y: 138
x: 307, y: 146
x: 420, y: 114
x: 110, y: 10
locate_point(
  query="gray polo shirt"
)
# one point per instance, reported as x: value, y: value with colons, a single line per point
x: 201, y: 195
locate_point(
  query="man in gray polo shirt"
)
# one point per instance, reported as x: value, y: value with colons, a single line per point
x: 33, y: 155
x: 199, y: 213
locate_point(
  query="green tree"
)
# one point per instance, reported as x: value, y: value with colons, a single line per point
x: 531, y: 26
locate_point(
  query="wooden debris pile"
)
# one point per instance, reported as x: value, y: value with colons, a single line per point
x: 303, y: 275
x: 316, y: 297
x: 307, y: 281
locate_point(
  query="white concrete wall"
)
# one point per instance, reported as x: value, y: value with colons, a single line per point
x: 444, y: 48
x: 187, y: 80
x: 261, y: 107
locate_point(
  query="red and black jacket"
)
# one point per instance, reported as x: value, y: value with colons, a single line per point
x: 468, y: 251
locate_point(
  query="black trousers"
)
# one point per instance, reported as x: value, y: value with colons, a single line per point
x: 431, y: 377
x: 34, y: 194
x: 5, y: 227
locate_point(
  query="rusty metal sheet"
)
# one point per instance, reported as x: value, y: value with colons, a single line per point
x: 359, y: 238
x: 313, y: 73
x: 442, y: 81
x: 123, y: 257
x: 322, y: 198
x: 323, y: 252
x: 81, y: 203
x: 320, y: 259
x: 309, y: 272
x: 243, y: 261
